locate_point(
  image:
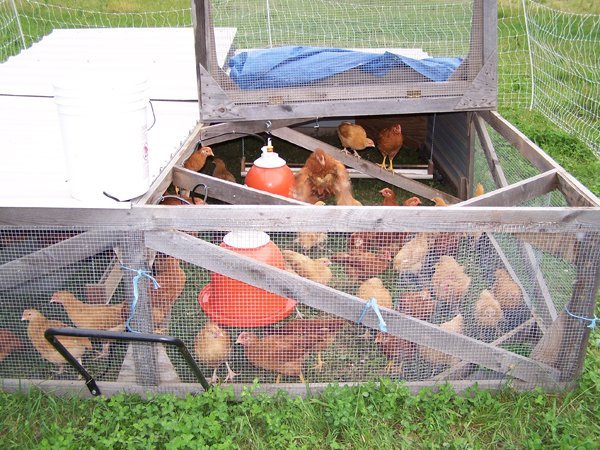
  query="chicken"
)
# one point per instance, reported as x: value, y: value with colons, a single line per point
x: 179, y: 199
x: 412, y: 201
x: 394, y: 348
x: 445, y: 243
x: 212, y: 346
x: 96, y: 317
x: 362, y: 265
x: 411, y: 256
x: 9, y: 342
x: 285, y: 349
x: 353, y: 137
x: 314, y: 269
x: 487, y: 310
x: 479, y: 190
x: 38, y: 324
x: 439, y: 201
x: 436, y: 357
x: 345, y: 198
x: 171, y: 278
x: 419, y: 305
x: 310, y: 239
x: 322, y: 177
x: 449, y: 280
x: 374, y: 288
x: 380, y: 241
x: 389, y: 143
x: 221, y: 171
x: 197, y: 159
x: 506, y: 291
x: 389, y: 197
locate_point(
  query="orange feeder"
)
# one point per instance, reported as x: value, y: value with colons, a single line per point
x: 270, y: 173
x: 235, y: 303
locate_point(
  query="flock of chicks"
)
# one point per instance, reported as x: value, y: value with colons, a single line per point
x: 426, y: 260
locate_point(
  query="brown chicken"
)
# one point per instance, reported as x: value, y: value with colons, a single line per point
x: 93, y: 316
x: 449, y: 280
x: 212, y: 346
x: 314, y: 269
x: 444, y: 243
x: 197, y: 159
x: 179, y: 199
x: 419, y: 305
x: 285, y: 349
x: 221, y: 171
x: 412, y: 201
x: 410, y: 258
x: 171, y: 278
x: 389, y: 197
x: 362, y: 265
x: 9, y: 342
x: 389, y: 143
x: 321, y: 177
x: 395, y: 348
x: 487, y: 310
x: 436, y: 357
x: 38, y: 324
x: 353, y: 137
x: 506, y: 291
x: 374, y: 288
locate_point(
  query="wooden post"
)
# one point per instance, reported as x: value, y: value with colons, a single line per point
x: 134, y: 258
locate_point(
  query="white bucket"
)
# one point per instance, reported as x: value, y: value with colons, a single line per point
x: 103, y: 121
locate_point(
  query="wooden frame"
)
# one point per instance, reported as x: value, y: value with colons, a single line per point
x: 475, y: 83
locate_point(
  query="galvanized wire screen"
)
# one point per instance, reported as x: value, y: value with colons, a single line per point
x: 505, y: 303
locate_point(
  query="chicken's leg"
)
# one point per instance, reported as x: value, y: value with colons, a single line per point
x: 230, y: 373
x: 214, y: 377
x: 319, y: 364
x: 383, y: 165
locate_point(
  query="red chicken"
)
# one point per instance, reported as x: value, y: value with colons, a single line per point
x: 171, y: 278
x: 389, y: 197
x: 321, y: 177
x: 9, y: 342
x: 221, y: 171
x: 361, y: 265
x: 285, y: 349
x: 419, y: 305
x: 389, y: 143
x: 353, y: 137
x: 395, y: 348
x: 197, y: 159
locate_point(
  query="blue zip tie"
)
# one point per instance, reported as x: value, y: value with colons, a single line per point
x: 593, y: 322
x: 372, y: 303
x: 136, y: 292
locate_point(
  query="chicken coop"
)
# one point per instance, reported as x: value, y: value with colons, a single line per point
x: 229, y: 285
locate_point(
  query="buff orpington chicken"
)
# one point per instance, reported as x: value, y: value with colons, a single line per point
x: 410, y: 258
x: 9, y: 342
x: 488, y: 311
x: 314, y: 269
x: 436, y: 357
x: 506, y: 291
x: 389, y: 143
x: 93, y: 316
x: 38, y: 324
x: 373, y: 288
x: 212, y: 347
x: 449, y: 280
x: 353, y: 137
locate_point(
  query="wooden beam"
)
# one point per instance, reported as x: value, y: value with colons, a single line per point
x: 232, y: 193
x: 104, y: 289
x: 489, y: 152
x: 309, y: 218
x: 55, y: 257
x: 362, y: 165
x: 227, y: 131
x: 324, y: 298
x: 520, y: 192
x: 575, y: 193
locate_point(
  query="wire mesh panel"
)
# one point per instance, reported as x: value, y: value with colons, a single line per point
x: 285, y: 306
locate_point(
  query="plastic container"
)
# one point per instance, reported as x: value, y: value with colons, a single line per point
x: 235, y: 303
x: 103, y: 122
x: 270, y: 173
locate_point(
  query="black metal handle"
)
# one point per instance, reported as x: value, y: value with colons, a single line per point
x: 52, y: 333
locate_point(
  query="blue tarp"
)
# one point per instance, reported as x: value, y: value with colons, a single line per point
x: 296, y: 65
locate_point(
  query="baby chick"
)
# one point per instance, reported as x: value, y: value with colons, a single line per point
x: 212, y: 346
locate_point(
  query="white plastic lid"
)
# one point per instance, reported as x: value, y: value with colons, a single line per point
x: 269, y: 159
x: 246, y: 239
